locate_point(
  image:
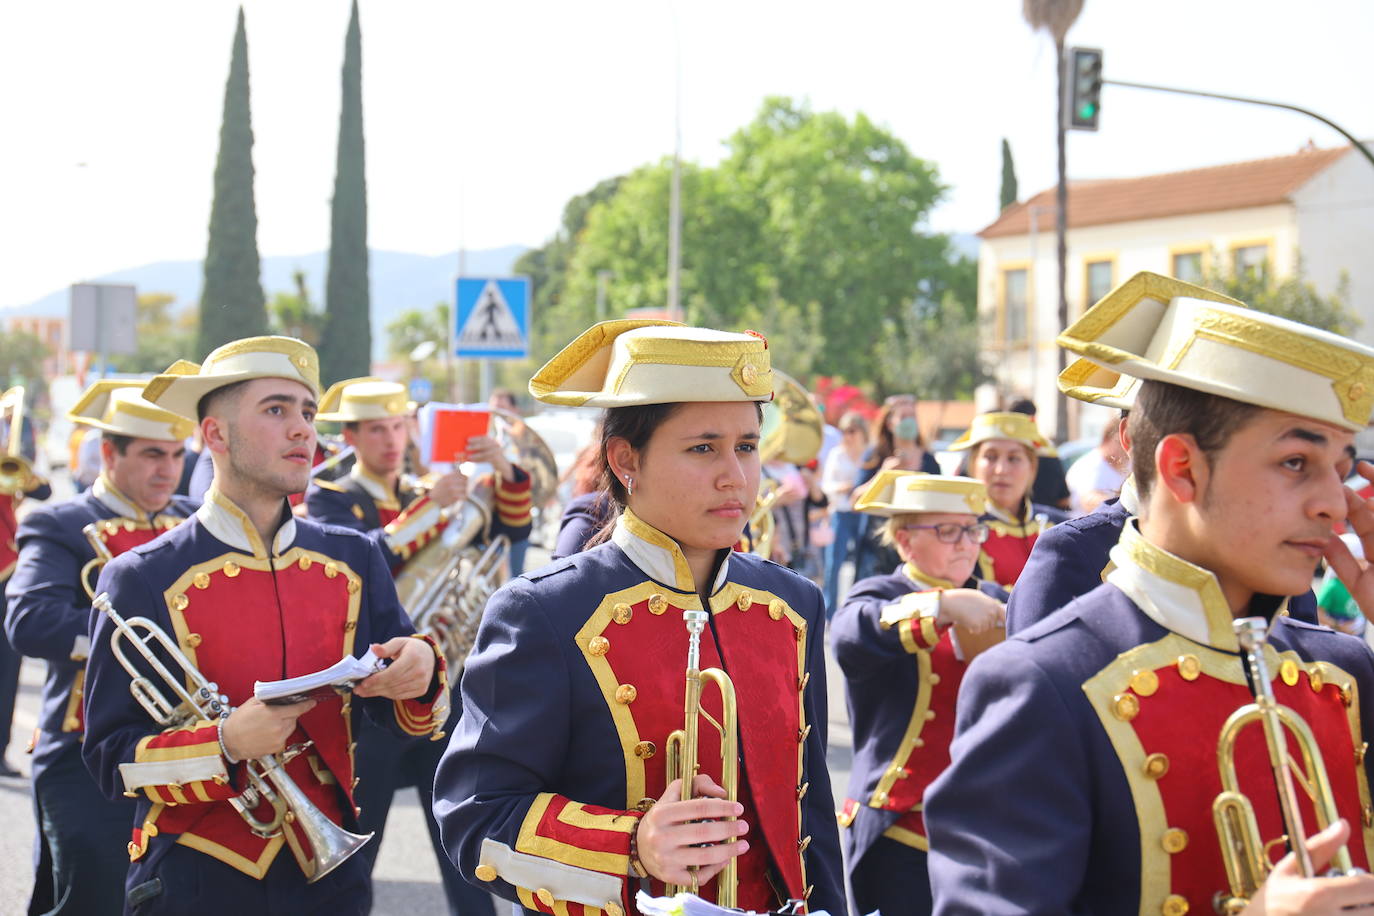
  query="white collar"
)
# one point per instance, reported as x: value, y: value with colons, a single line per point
x: 373, y: 486
x: 659, y: 556
x: 109, y: 496
x: 1130, y: 496
x: 230, y: 524
x: 1178, y: 595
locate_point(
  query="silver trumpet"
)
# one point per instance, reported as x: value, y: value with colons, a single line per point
x: 327, y: 845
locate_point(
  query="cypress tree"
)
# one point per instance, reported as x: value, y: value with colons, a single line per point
x: 232, y: 304
x: 346, y: 345
x: 1008, y: 176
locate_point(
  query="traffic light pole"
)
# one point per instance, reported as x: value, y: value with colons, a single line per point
x: 1364, y: 150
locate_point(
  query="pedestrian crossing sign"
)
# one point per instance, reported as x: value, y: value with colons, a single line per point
x: 492, y: 320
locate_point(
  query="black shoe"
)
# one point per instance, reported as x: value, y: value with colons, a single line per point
x: 9, y: 771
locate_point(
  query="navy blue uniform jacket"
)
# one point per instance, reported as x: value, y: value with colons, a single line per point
x: 1098, y: 726
x: 49, y: 612
x: 575, y: 681
x: 1069, y: 559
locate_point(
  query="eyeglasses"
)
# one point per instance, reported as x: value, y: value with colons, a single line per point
x: 949, y: 533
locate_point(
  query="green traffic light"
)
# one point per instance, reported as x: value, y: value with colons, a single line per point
x: 1086, y: 111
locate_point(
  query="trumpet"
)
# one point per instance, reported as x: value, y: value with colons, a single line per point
x: 327, y: 845
x: 90, y: 573
x: 682, y: 750
x: 16, y: 474
x: 1243, y: 850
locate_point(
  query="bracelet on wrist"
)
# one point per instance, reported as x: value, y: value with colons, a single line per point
x: 224, y: 748
x: 636, y: 867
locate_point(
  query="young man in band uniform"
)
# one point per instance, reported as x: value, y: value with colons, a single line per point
x: 1085, y: 764
x: 249, y: 592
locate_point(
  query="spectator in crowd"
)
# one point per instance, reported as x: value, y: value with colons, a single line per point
x: 839, y: 474
x: 88, y: 461
x: 1098, y: 475
x: 1050, y: 488
x: 897, y: 445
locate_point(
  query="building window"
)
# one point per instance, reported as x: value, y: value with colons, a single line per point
x: 1015, y: 305
x: 1097, y: 280
x: 1187, y: 266
x: 1249, y: 259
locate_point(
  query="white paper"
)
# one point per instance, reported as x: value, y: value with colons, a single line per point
x: 343, y: 674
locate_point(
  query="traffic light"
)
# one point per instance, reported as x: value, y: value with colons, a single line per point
x: 1084, y: 89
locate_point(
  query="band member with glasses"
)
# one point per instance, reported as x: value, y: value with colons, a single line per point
x: 1092, y: 750
x: 1003, y: 453
x: 249, y: 592
x: 555, y: 791
x: 900, y: 641
x: 81, y: 860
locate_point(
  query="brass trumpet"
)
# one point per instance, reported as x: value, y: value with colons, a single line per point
x: 90, y: 573
x: 197, y: 698
x: 1244, y: 851
x: 681, y: 746
x: 16, y: 474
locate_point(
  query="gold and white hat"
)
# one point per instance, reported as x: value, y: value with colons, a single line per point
x: 117, y: 406
x: 1081, y: 380
x: 1157, y: 328
x: 184, y: 383
x: 1016, y: 427
x: 899, y: 492
x: 632, y: 361
x: 367, y: 398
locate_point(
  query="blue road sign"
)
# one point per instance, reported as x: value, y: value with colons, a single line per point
x: 421, y: 390
x: 492, y: 320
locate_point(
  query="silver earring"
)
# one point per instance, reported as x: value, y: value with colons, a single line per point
x: 629, y: 486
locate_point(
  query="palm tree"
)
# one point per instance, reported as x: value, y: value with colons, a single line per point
x: 1056, y: 17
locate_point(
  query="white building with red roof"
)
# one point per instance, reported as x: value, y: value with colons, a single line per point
x: 1316, y: 206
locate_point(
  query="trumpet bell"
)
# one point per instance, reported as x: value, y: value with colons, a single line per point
x: 16, y: 474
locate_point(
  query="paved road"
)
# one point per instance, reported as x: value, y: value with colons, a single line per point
x: 407, y: 878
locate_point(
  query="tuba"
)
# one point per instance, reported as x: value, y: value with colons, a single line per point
x: 445, y: 586
x: 681, y: 746
x: 327, y: 845
x: 792, y: 431
x: 1243, y: 850
x: 16, y: 474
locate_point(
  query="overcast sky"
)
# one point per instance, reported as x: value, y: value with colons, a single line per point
x: 482, y: 119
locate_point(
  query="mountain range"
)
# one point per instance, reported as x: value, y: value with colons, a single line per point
x: 400, y: 281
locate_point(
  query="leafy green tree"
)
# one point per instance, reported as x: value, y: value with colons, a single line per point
x: 414, y: 327
x: 232, y: 304
x: 1292, y: 297
x: 628, y: 236
x: 1009, y: 189
x: 164, y: 335
x: 811, y: 224
x: 21, y: 359
x: 346, y: 344
x: 840, y: 202
x: 294, y: 315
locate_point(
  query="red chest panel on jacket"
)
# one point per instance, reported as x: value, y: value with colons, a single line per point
x: 936, y: 732
x: 240, y: 620
x: 649, y: 652
x: 1008, y: 553
x: 121, y: 534
x: 1178, y: 724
